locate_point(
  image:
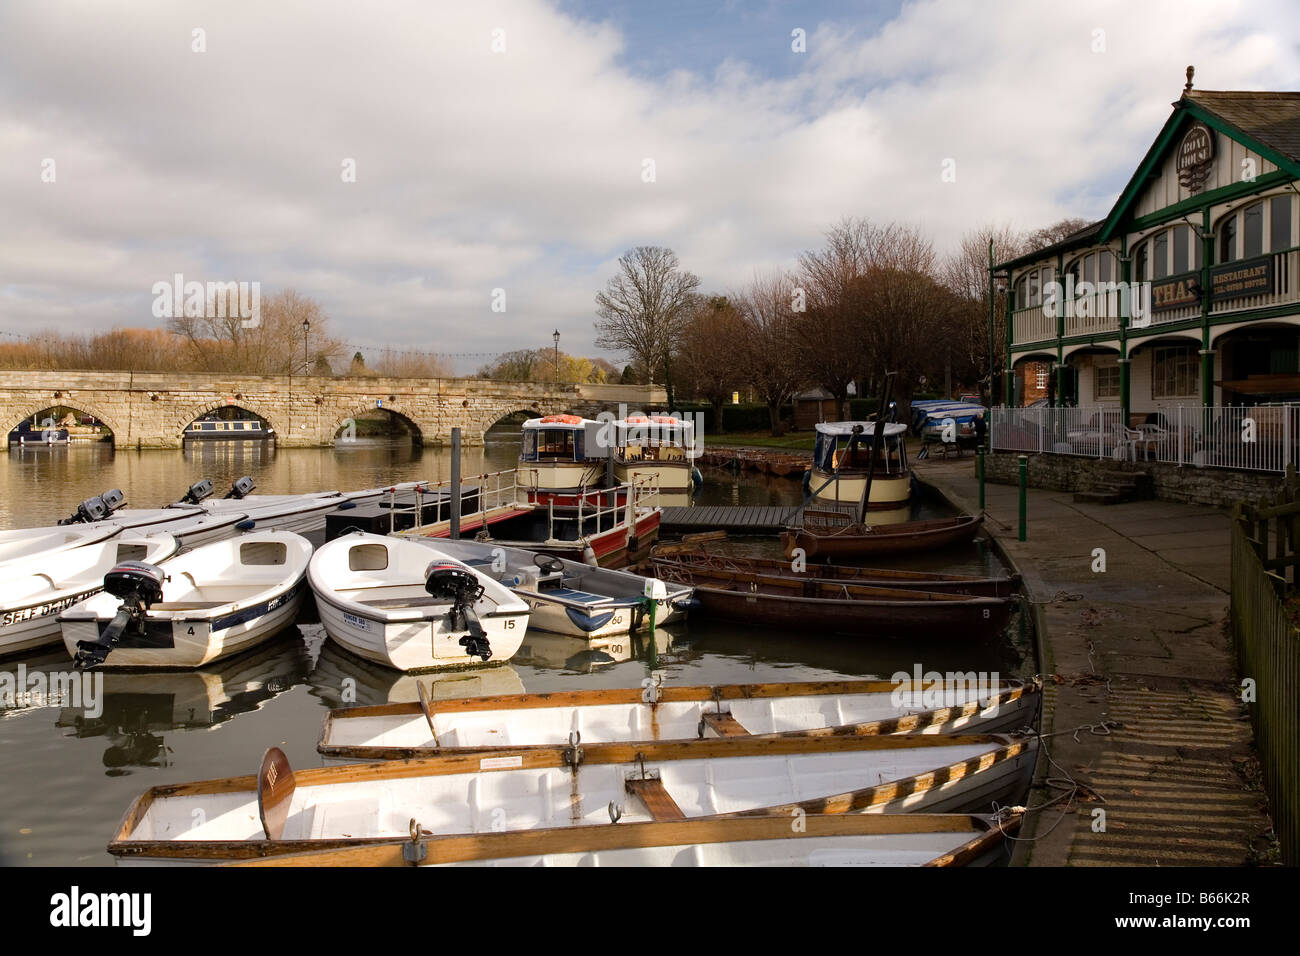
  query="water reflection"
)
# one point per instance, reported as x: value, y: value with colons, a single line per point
x: 577, y: 655
x: 340, y: 679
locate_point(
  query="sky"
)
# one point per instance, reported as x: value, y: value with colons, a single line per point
x: 405, y: 162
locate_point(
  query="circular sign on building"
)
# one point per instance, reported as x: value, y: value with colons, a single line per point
x: 1195, y: 157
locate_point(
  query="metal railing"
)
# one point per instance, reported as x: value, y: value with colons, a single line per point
x: 1256, y: 438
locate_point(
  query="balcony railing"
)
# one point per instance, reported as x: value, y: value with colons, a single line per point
x: 1258, y: 438
x: 1030, y: 325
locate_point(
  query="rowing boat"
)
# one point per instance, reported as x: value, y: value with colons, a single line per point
x: 968, y: 584
x: 279, y: 811
x: 906, y: 839
x: 823, y: 534
x: 430, y: 728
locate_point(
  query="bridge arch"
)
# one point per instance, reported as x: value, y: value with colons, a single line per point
x: 390, y: 410
x: 34, y: 409
x: 253, y: 407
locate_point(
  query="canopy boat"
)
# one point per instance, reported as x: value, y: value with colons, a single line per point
x: 931, y: 421
x: 838, y: 606
x: 831, y: 534
x: 529, y: 721
x: 608, y: 528
x: 201, y: 606
x: 893, y: 839
x: 563, y: 457
x: 34, y: 544
x: 842, y: 470
x: 408, y: 606
x: 658, y: 447
x: 279, y: 811
x: 698, y: 558
x: 33, y: 593
x: 569, y: 597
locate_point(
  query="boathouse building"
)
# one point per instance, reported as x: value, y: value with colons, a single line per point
x: 1188, y: 292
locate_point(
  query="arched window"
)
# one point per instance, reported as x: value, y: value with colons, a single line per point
x: 1228, y: 239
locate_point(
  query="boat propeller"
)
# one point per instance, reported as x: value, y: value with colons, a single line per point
x: 140, y: 586
x: 459, y: 587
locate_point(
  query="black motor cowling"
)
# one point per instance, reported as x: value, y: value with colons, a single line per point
x: 197, y: 492
x: 457, y: 585
x: 241, y: 487
x: 139, y: 585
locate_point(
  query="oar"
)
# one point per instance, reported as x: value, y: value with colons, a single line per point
x: 275, y: 786
x: 428, y: 711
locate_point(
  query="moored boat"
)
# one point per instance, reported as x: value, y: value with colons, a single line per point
x: 893, y: 839
x: 562, y: 456
x: 34, y: 544
x: 279, y: 811
x: 623, y: 715
x: 410, y: 607
x: 843, y: 470
x: 947, y: 583
x: 658, y: 447
x: 570, y: 597
x: 34, y: 593
x: 828, y: 534
x: 215, y: 601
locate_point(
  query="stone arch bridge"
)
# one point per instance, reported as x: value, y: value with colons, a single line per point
x: 153, y: 409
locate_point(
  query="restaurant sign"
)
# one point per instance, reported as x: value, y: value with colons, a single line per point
x: 1238, y: 279
x: 1195, y: 157
x: 1175, y: 293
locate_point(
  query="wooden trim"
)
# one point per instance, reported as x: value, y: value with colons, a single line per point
x: 724, y: 725
x: 658, y: 801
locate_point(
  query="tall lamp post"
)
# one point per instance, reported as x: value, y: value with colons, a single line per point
x: 306, y: 362
x: 556, y: 335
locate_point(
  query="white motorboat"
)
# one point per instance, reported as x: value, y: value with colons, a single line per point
x: 409, y: 606
x: 580, y: 785
x: 669, y: 712
x: 879, y: 839
x: 571, y: 597
x: 33, y: 593
x: 209, y: 603
x: 33, y: 544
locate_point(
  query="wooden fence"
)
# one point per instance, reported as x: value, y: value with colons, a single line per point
x: 1265, y: 571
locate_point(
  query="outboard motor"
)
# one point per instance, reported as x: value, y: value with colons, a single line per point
x: 198, y: 491
x: 457, y: 585
x: 241, y: 487
x: 113, y: 499
x: 140, y: 586
x: 92, y: 509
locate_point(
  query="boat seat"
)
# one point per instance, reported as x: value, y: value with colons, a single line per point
x: 187, y: 605
x: 427, y: 600
x: 579, y: 597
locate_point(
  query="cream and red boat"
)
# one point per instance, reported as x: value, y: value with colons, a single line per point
x: 279, y: 811
x: 842, y: 468
x: 658, y: 447
x: 562, y: 458
x: 624, y: 715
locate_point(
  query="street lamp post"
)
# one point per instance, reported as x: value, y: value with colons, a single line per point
x: 556, y: 335
x: 306, y: 362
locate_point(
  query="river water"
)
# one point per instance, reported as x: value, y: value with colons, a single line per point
x: 69, y: 772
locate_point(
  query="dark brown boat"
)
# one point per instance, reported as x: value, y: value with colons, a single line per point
x: 968, y: 584
x: 838, y: 606
x: 829, y: 534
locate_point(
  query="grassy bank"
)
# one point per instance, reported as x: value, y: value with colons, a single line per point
x: 794, y: 441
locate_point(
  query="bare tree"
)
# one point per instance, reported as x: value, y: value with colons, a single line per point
x: 707, y: 362
x: 1056, y: 232
x: 644, y: 307
x: 767, y: 349
x: 965, y: 274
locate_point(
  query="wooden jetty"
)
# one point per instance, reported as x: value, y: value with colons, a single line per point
x: 735, y: 519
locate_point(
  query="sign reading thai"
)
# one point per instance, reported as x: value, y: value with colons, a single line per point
x: 1195, y: 157
x: 1174, y: 293
x: 1238, y: 279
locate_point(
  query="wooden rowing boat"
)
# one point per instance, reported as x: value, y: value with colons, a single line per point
x: 838, y: 607
x: 279, y: 811
x: 431, y: 728
x: 895, y: 839
x: 968, y: 584
x: 822, y: 534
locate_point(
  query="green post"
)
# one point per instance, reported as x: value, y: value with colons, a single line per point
x: 652, y: 653
x: 979, y: 467
x: 1024, y: 481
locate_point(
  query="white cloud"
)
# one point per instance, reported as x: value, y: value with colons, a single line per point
x: 522, y: 170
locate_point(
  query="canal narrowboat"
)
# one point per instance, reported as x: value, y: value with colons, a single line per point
x: 829, y: 534
x: 233, y: 429
x: 570, y: 597
x: 906, y: 839
x: 945, y: 583
x: 624, y: 715
x: 33, y: 593
x: 658, y: 447
x: 411, y: 607
x: 842, y: 469
x: 217, y: 600
x: 278, y: 810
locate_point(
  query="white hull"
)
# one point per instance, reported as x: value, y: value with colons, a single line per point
x: 35, y: 544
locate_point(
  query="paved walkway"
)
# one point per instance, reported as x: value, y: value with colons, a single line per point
x: 1145, y: 644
